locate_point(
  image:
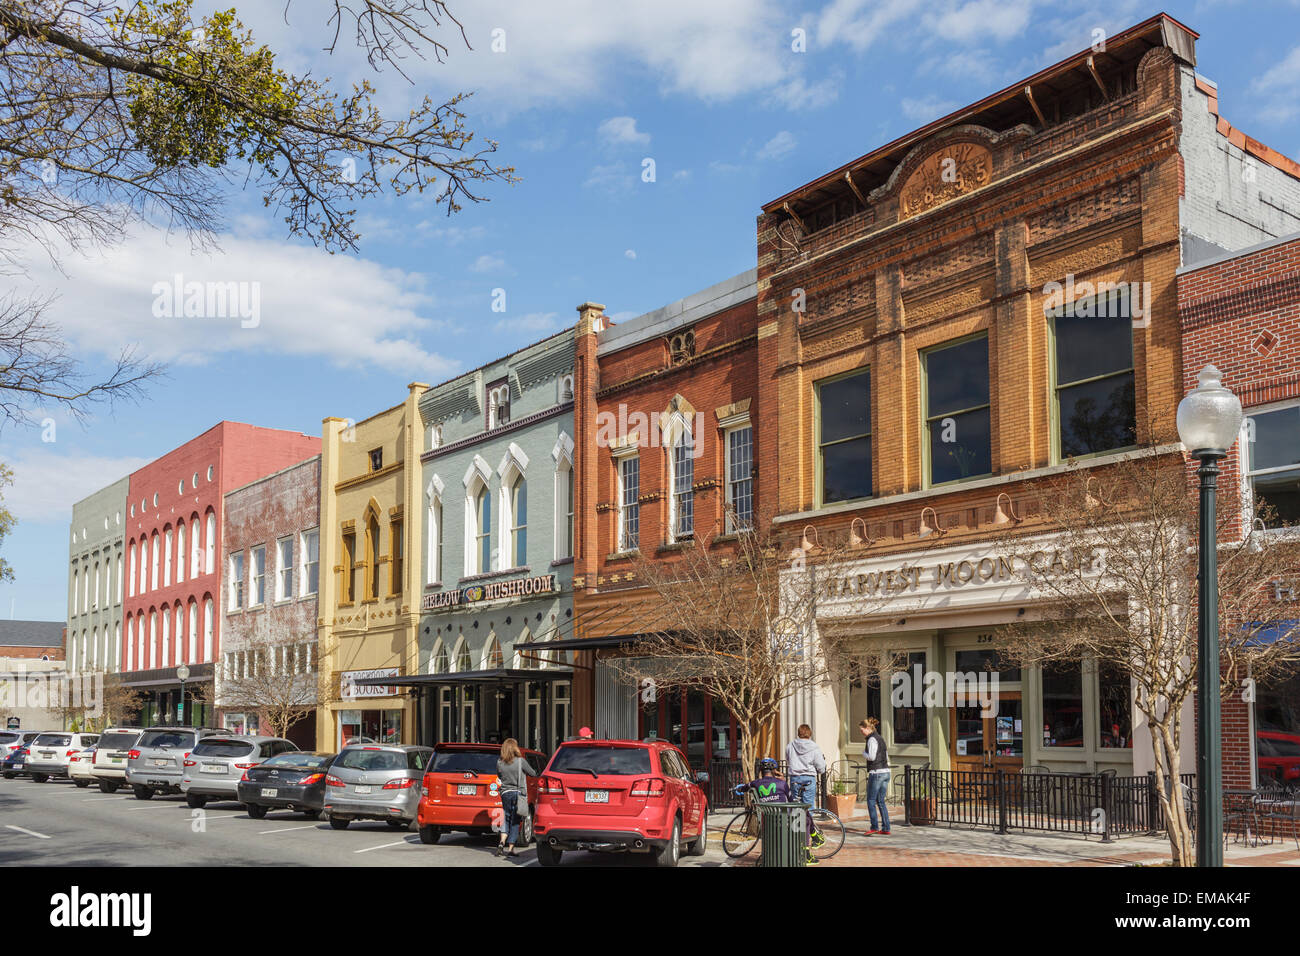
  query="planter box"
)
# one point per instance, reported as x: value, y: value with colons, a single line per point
x: 921, y: 811
x: 841, y: 804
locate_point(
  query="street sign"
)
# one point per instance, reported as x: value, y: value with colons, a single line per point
x: 13, y: 724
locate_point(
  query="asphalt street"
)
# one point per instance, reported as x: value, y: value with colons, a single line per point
x: 58, y: 824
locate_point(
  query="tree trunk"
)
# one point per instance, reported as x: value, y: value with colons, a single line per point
x: 1170, y: 791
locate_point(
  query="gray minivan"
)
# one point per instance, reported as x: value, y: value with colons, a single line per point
x: 214, y: 768
x: 156, y: 763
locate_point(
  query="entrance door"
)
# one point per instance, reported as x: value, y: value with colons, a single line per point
x: 989, y: 743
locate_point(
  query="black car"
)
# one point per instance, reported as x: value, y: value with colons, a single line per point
x: 15, y: 764
x: 288, y: 781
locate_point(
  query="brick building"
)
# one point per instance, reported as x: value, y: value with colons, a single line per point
x: 1241, y: 312
x: 175, y: 574
x: 670, y: 431
x: 958, y: 315
x: 271, y: 544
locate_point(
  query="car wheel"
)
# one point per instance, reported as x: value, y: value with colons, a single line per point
x: 526, y: 830
x: 8, y: 775
x: 547, y: 855
x: 142, y: 793
x: 255, y: 810
x: 39, y: 778
x: 105, y: 788
x: 311, y: 814
x: 430, y: 835
x: 338, y: 823
x: 672, y: 850
x: 81, y: 784
x: 700, y: 844
x: 195, y: 802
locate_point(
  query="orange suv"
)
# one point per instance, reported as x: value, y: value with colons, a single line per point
x: 620, y: 796
x: 460, y: 791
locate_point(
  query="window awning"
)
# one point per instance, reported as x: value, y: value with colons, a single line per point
x: 496, y: 675
x: 579, y: 643
x: 1270, y: 632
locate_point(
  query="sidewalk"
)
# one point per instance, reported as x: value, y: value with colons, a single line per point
x: 961, y: 846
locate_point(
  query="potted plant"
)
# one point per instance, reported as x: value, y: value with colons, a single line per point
x: 841, y: 799
x: 921, y: 805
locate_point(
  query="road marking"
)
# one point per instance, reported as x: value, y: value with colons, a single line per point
x: 384, y: 847
x: 39, y: 836
x: 304, y: 826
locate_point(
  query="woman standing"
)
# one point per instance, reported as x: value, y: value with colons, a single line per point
x: 512, y: 773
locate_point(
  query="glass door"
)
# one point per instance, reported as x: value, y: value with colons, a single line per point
x: 981, y: 742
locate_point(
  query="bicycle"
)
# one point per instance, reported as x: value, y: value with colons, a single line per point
x: 744, y: 833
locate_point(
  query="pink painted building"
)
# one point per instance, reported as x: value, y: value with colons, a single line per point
x: 175, y: 572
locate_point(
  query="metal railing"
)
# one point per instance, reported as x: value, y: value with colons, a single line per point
x: 1089, y: 804
x: 726, y: 773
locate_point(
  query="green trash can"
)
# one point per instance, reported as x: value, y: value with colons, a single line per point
x: 785, y: 831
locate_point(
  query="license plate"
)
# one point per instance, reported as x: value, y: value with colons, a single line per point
x: 47, y: 753
x: 270, y: 792
x: 466, y: 790
x: 18, y: 766
x: 161, y: 763
x: 114, y: 759
x: 212, y: 768
x: 363, y: 789
x: 598, y: 796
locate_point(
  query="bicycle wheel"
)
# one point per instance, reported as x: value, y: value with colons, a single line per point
x: 832, y: 831
x: 741, y: 835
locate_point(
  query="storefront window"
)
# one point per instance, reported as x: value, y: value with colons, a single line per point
x: 560, y: 694
x: 987, y: 659
x: 910, y: 724
x: 864, y: 697
x: 1062, y: 704
x: 1277, y: 730
x: 381, y: 726
x: 1116, y: 726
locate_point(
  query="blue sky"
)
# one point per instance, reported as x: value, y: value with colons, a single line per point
x: 583, y: 93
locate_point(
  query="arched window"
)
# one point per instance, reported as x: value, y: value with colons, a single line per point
x: 85, y: 590
x: 192, y: 656
x: 681, y: 479
x: 94, y: 600
x: 180, y: 552
x: 72, y: 652
x: 94, y: 648
x: 210, y: 543
x: 139, y: 643
x: 167, y: 558
x: 153, y: 639
x: 76, y: 581
x: 519, y: 523
x: 207, y: 630
x: 144, y: 566
x: 130, y: 550
x: 117, y: 643
x: 196, y: 546
x: 119, y: 578
x: 435, y: 540
x: 481, y: 513
x: 166, y: 638
x: 180, y: 634
x: 564, y: 509
x: 463, y: 660
x: 438, y: 662
x: 153, y: 561
x: 372, y: 555
x: 492, y: 657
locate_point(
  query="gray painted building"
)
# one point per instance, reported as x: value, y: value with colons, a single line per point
x: 95, y: 580
x: 498, y: 561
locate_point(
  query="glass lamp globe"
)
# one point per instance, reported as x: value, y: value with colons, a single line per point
x: 1209, y: 416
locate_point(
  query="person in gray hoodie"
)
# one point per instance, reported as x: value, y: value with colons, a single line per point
x: 805, y: 762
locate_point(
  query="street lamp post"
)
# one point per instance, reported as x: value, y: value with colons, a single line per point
x: 183, y: 673
x: 1209, y: 419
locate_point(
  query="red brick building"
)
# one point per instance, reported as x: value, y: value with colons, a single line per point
x: 670, y: 440
x: 1241, y: 313
x: 175, y: 509
x: 271, y: 545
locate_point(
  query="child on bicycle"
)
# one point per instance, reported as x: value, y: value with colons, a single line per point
x: 770, y: 787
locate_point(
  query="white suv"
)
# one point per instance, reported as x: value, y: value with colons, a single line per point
x: 111, y: 755
x: 50, y: 753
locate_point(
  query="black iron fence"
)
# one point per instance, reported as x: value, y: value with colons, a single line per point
x: 1090, y: 804
x: 725, y: 774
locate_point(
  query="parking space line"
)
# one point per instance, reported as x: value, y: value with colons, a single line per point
x: 39, y: 836
x: 302, y: 826
x: 384, y: 847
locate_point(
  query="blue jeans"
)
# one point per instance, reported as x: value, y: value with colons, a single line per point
x: 510, y: 821
x: 803, y: 789
x: 877, y: 789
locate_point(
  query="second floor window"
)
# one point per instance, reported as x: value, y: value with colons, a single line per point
x: 372, y: 557
x: 482, y: 532
x: 348, y: 592
x: 1274, y: 456
x: 958, y: 440
x: 284, y: 569
x: 237, y: 581
x: 844, y: 437
x: 519, y: 522
x: 257, y: 557
x: 395, y: 544
x: 309, y: 544
x: 629, y: 507
x: 1095, y: 403
x: 682, y: 478
x: 740, y: 478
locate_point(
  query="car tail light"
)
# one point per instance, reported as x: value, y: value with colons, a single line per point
x: 648, y: 787
x: 550, y: 785
x: 72, y: 753
x: 308, y: 781
x: 245, y: 766
x: 133, y: 755
x: 190, y: 763
x: 333, y: 781
x: 401, y: 783
x: 244, y: 778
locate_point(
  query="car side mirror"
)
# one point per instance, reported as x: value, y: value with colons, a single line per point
x: 701, y: 777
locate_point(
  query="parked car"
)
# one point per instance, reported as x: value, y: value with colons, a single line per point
x: 111, y: 755
x: 9, y: 740
x: 287, y: 781
x: 50, y: 753
x: 1278, y: 754
x: 15, y: 762
x: 620, y: 796
x: 154, y: 764
x: 375, y: 782
x: 212, y: 770
x: 460, y: 790
x: 79, y: 767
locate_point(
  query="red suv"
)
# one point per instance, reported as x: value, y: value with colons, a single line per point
x: 620, y: 795
x: 460, y: 790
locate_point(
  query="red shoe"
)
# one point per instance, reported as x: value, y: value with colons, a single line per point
x: 872, y: 832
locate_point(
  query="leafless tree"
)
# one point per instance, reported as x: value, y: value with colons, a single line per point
x: 273, y: 677
x: 1125, y: 595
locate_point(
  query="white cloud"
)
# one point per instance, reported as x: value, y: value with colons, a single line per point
x: 345, y: 310
x: 629, y: 253
x: 531, y: 323
x: 1278, y: 89
x: 925, y: 110
x: 610, y: 178
x: 48, y: 482
x: 782, y: 144
x: 966, y: 22
x: 860, y: 23
x: 488, y: 263
x: 622, y: 131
